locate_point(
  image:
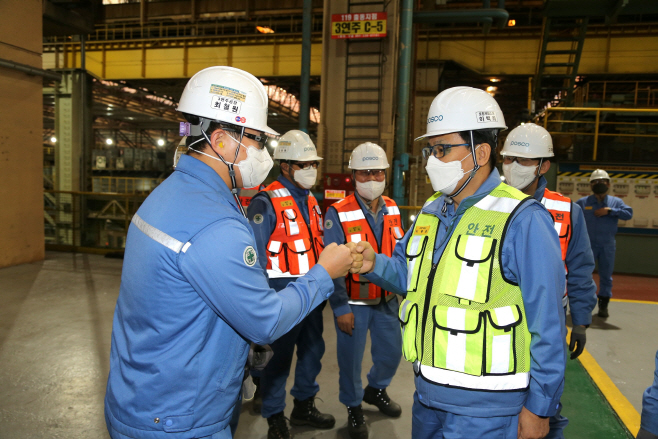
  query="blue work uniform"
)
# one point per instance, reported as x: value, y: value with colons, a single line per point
x: 602, y: 231
x: 381, y: 319
x: 307, y: 335
x: 531, y: 257
x: 649, y: 420
x: 192, y: 297
x: 581, y: 288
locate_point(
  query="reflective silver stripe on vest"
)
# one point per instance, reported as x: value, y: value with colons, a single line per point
x: 371, y: 301
x: 498, y: 204
x: 486, y: 382
x: 415, y: 242
x: 468, y: 275
x: 279, y: 193
x: 159, y: 236
x: 351, y: 216
x: 393, y: 210
x: 560, y: 206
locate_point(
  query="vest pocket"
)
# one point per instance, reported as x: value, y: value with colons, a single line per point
x: 458, y: 339
x: 501, y: 340
x: 408, y: 317
x: 414, y: 253
x: 474, y: 263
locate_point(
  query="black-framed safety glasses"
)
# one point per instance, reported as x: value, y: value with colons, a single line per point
x: 440, y: 150
x: 306, y: 165
x: 524, y: 161
x: 261, y: 139
x: 378, y: 173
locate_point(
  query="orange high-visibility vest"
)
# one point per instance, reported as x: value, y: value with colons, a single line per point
x: 246, y: 194
x: 356, y: 228
x: 560, y: 208
x: 294, y: 246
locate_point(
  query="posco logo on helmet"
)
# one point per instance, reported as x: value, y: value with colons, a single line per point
x: 432, y: 119
x: 515, y: 143
x: 309, y: 148
x: 369, y: 158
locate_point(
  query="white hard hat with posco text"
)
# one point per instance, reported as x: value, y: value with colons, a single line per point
x: 297, y: 146
x: 599, y: 174
x: 463, y: 109
x: 227, y: 94
x: 368, y: 156
x: 528, y: 141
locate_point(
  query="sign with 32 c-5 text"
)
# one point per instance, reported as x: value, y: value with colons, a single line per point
x: 358, y: 25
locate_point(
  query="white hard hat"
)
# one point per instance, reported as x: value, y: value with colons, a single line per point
x: 598, y: 174
x: 529, y: 141
x: 463, y: 109
x: 227, y: 94
x: 368, y: 156
x: 297, y: 146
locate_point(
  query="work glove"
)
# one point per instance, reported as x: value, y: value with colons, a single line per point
x: 578, y: 340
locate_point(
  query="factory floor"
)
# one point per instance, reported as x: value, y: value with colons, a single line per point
x: 56, y: 321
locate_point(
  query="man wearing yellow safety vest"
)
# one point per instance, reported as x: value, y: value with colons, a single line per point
x: 358, y: 305
x: 526, y: 158
x: 287, y: 224
x: 481, y: 269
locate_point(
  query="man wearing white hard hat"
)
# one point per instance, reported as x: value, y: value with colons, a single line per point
x: 483, y: 277
x: 192, y: 294
x: 358, y: 305
x: 602, y: 214
x: 287, y: 223
x: 527, y: 155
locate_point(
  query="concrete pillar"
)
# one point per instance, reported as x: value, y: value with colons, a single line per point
x: 21, y: 130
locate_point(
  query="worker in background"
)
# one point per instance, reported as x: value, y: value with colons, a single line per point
x: 602, y: 212
x: 192, y: 292
x: 287, y: 223
x: 483, y: 276
x: 358, y: 305
x: 526, y: 158
x: 649, y: 420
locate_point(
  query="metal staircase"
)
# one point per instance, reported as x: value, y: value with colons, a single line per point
x: 363, y: 85
x: 557, y: 65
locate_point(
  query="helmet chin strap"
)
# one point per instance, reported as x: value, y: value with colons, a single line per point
x: 231, y: 166
x: 450, y: 199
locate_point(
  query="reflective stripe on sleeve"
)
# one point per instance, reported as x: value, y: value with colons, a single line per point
x: 351, y: 216
x: 560, y: 206
x: 157, y: 235
x: 468, y: 276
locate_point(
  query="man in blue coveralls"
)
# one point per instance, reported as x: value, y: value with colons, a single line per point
x: 192, y: 294
x: 287, y: 224
x: 483, y: 280
x: 526, y: 158
x: 602, y: 213
x: 359, y: 306
x: 649, y: 420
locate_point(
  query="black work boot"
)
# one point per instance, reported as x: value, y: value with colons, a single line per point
x: 603, y: 307
x: 305, y: 413
x: 356, y: 423
x: 278, y: 427
x: 257, y: 402
x: 379, y: 398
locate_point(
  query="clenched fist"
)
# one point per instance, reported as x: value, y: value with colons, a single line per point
x: 364, y: 249
x: 337, y: 260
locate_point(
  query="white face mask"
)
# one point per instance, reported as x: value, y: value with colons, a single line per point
x: 306, y: 177
x: 254, y: 168
x: 519, y: 176
x: 445, y: 176
x: 370, y: 190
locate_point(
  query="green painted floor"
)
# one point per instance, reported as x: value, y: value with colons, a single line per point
x: 590, y: 416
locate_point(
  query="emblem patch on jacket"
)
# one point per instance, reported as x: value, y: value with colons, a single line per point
x: 258, y: 218
x: 328, y: 224
x: 250, y: 256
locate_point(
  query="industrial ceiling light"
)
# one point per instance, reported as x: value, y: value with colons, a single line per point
x: 491, y: 89
x: 161, y: 142
x: 53, y: 139
x: 494, y: 80
x: 108, y: 141
x: 274, y: 143
x: 511, y: 23
x: 264, y: 29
